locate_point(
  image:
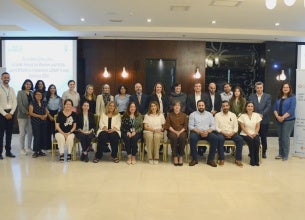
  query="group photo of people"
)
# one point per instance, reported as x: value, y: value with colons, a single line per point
x: 128, y: 116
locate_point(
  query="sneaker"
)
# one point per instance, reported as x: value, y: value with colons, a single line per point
x: 69, y: 157
x: 278, y: 157
x: 23, y: 152
x: 156, y: 162
x: 151, y: 161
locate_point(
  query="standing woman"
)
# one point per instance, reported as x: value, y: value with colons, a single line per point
x: 176, y: 124
x: 103, y: 99
x: 39, y: 113
x: 85, y: 129
x: 153, y: 131
x: 284, y: 112
x: 122, y: 99
x: 90, y: 97
x: 65, y: 126
x: 238, y: 101
x: 54, y: 105
x: 41, y: 86
x: 132, y: 126
x: 24, y: 98
x: 72, y: 95
x: 177, y: 96
x: 109, y: 131
x: 159, y: 96
x: 250, y: 123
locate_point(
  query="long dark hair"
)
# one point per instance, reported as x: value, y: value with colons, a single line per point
x: 49, y: 93
x: 26, y: 81
x: 280, y: 94
x: 128, y: 109
x: 43, y: 88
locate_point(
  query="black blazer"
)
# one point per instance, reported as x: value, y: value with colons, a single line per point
x: 191, y: 105
x: 263, y: 107
x: 143, y: 106
x: 165, y: 102
x: 80, y: 121
x: 217, y: 102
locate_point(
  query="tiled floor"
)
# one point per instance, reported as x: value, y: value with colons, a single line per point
x: 43, y: 189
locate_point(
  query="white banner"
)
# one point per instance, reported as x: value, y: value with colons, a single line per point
x: 299, y: 127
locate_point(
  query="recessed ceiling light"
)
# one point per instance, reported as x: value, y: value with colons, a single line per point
x: 148, y: 20
x: 214, y: 22
x: 82, y: 19
x: 277, y: 24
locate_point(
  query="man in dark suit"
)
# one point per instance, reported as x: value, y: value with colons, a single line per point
x: 140, y: 99
x: 191, y: 106
x: 192, y: 99
x: 214, y: 99
x: 262, y: 105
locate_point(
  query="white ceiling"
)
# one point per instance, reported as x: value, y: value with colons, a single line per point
x: 249, y: 21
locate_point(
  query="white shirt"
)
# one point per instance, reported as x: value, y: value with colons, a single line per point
x: 226, y: 122
x: 250, y: 123
x: 154, y: 121
x: 8, y: 99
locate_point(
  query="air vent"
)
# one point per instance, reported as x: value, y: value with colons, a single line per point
x: 226, y: 3
x: 116, y: 20
x: 179, y: 8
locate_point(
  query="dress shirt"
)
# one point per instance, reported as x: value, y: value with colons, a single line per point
x: 226, y: 96
x: 54, y: 104
x: 201, y: 121
x: 226, y: 122
x: 8, y: 100
x: 250, y: 123
x: 73, y: 95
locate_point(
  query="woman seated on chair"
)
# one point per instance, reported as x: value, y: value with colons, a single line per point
x: 250, y: 124
x: 132, y: 126
x: 176, y: 124
x: 85, y: 129
x: 65, y: 126
x: 153, y: 131
x: 109, y: 131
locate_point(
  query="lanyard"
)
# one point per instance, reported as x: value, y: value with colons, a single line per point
x: 7, y: 92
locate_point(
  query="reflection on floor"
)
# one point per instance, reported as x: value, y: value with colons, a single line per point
x: 44, y: 189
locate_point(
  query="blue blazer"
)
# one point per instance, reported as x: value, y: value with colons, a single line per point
x: 263, y: 107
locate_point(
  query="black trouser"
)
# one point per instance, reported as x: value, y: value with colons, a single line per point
x: 50, y: 130
x: 263, y: 134
x: 102, y: 140
x: 39, y: 133
x: 131, y: 144
x: 253, y: 144
x: 84, y: 139
x: 177, y: 143
x: 7, y: 127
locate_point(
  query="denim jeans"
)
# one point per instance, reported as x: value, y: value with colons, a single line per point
x: 212, y: 138
x: 284, y: 131
x: 263, y: 131
x: 238, y: 140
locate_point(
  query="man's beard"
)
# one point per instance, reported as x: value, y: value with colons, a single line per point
x: 201, y: 110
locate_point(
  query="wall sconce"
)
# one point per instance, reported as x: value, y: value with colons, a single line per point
x: 124, y: 73
x: 281, y: 76
x: 106, y: 73
x: 197, y: 75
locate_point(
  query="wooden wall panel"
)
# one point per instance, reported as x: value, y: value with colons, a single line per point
x: 114, y: 54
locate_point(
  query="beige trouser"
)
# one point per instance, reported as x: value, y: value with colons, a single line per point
x: 152, y: 141
x: 62, y: 142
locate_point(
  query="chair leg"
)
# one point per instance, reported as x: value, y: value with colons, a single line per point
x: 165, y: 152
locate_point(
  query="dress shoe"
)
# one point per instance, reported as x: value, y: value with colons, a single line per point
x: 9, y: 154
x: 238, y: 163
x: 193, y: 163
x: 264, y: 155
x: 221, y: 162
x: 1, y: 157
x: 212, y: 163
x: 41, y: 153
x: 35, y: 155
x: 86, y: 158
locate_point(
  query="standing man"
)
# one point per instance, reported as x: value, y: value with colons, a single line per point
x: 227, y: 93
x: 202, y: 126
x: 214, y: 99
x: 8, y: 104
x: 192, y: 99
x: 140, y: 99
x: 227, y: 128
x: 262, y: 105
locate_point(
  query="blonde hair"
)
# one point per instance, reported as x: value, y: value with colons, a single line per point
x: 115, y: 112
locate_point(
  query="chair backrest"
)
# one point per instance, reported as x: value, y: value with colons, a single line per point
x: 97, y: 121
